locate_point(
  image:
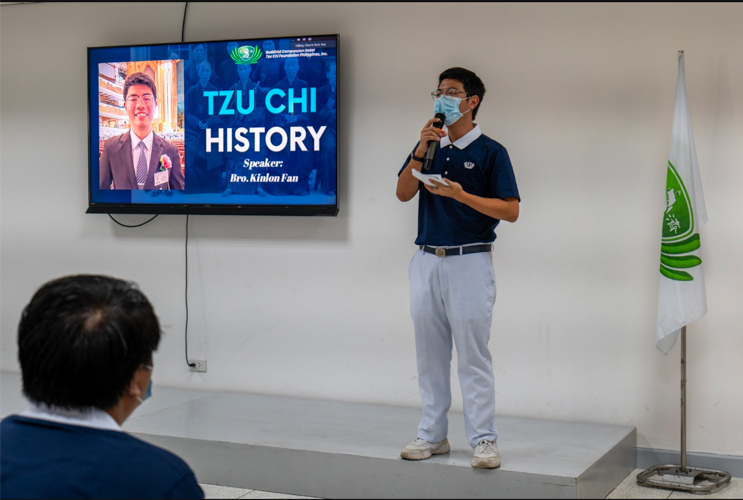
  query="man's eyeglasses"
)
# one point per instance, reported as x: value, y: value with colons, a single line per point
x: 450, y: 92
x: 147, y: 98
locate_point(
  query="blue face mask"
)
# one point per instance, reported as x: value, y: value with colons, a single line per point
x: 449, y: 106
x: 149, y: 391
x: 149, y: 388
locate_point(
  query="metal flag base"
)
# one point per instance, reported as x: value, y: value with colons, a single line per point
x: 681, y: 477
x: 691, y: 479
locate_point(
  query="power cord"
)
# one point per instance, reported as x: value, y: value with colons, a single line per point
x: 192, y: 365
x: 138, y: 225
x: 183, y: 29
x: 185, y: 342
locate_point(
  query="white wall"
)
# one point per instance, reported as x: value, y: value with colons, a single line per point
x: 581, y: 95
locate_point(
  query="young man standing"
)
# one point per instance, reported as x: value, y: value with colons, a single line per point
x: 452, y: 284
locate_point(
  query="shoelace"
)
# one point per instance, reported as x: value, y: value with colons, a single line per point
x: 484, y: 447
x: 420, y: 442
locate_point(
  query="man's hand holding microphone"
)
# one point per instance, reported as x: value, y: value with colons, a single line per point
x: 422, y: 157
x: 430, y: 137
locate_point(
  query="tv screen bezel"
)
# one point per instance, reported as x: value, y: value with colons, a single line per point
x: 204, y: 208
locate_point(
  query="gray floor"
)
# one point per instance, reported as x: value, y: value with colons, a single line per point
x: 212, y: 491
x: 627, y: 489
x: 241, y: 446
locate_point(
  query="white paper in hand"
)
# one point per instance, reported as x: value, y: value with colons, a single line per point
x: 425, y: 178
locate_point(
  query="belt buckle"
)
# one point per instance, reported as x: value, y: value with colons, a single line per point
x: 441, y: 252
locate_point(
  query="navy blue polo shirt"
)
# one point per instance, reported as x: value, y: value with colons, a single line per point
x: 483, y: 168
x: 44, y: 459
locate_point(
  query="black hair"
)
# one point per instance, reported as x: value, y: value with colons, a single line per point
x: 82, y: 338
x: 139, y: 79
x: 472, y: 83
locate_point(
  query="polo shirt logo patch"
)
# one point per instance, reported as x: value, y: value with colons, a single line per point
x: 469, y: 165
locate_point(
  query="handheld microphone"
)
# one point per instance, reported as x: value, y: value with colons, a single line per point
x: 428, y: 159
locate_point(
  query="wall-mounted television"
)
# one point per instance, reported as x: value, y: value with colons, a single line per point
x: 233, y: 127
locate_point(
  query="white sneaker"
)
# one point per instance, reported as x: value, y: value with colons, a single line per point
x: 420, y: 449
x: 486, y: 455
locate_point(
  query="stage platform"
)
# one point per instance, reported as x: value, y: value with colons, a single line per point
x: 337, y: 449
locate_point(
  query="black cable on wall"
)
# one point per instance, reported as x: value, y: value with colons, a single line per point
x: 185, y: 335
x: 137, y: 225
x: 186, y: 330
x: 183, y: 28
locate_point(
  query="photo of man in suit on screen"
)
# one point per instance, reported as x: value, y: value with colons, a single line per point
x: 140, y: 159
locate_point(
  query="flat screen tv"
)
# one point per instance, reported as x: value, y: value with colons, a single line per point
x: 234, y: 127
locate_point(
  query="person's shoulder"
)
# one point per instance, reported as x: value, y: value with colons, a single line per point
x: 492, y: 151
x: 168, y: 146
x: 193, y: 89
x: 153, y: 457
x: 159, y: 469
x: 116, y: 140
x: 9, y: 423
x: 325, y: 90
x: 490, y: 143
x: 163, y: 141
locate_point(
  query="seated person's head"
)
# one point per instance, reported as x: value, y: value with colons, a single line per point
x: 243, y: 71
x: 204, y: 70
x: 87, y: 342
x: 291, y: 66
x: 198, y: 52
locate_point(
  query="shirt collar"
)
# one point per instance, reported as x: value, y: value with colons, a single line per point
x: 98, y: 419
x: 147, y: 140
x: 463, y: 141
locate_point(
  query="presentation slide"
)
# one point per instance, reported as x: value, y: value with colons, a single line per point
x: 236, y: 122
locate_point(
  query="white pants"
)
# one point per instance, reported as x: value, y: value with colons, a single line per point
x: 452, y: 298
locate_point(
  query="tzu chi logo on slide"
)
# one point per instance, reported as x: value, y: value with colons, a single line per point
x: 678, y: 231
x: 246, y: 54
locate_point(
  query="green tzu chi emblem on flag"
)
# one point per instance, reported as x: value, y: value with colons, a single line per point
x: 679, y: 238
x: 246, y: 54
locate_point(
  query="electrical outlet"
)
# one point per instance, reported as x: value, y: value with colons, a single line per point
x: 200, y: 365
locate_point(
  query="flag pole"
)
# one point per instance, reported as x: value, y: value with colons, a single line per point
x: 683, y: 381
x: 683, y: 395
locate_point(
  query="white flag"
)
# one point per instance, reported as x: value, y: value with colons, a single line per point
x: 681, y: 294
